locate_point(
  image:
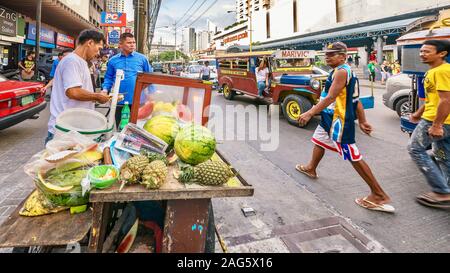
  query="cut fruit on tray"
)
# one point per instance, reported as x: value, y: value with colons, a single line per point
x: 61, y: 156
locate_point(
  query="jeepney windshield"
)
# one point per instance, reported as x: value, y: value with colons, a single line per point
x: 292, y: 63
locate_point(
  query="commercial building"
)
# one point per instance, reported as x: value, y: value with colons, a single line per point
x: 368, y: 26
x: 115, y: 5
x: 203, y: 39
x: 244, y: 6
x: 188, y: 40
x: 62, y: 21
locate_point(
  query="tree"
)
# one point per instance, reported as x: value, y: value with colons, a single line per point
x: 168, y: 56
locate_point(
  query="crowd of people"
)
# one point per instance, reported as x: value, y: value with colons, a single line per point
x: 387, y: 69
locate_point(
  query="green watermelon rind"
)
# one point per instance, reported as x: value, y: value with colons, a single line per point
x: 154, y: 125
x: 195, y: 144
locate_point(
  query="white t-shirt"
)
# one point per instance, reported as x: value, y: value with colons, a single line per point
x: 261, y: 75
x: 205, y: 70
x: 72, y: 71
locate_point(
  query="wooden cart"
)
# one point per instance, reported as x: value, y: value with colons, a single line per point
x: 187, y: 206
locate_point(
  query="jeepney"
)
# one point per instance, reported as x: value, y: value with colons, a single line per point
x: 295, y: 83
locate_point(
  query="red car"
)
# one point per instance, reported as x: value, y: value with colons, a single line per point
x: 19, y: 101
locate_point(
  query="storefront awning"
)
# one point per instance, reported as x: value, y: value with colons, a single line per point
x: 54, y: 13
x: 43, y: 44
x: 385, y: 29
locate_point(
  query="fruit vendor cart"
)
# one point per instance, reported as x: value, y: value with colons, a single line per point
x: 188, y: 223
x: 188, y: 214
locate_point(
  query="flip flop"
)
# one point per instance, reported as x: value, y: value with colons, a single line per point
x: 302, y: 170
x: 429, y: 202
x: 375, y: 207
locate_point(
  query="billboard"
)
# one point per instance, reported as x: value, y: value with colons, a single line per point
x: 47, y: 36
x: 65, y: 40
x: 114, y: 37
x: 8, y: 22
x: 113, y: 19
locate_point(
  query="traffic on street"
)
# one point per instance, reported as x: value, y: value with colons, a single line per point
x: 225, y: 127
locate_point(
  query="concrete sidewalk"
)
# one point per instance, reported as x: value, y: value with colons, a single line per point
x: 289, y: 218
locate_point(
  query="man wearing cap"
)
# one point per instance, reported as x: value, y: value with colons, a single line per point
x: 339, y: 107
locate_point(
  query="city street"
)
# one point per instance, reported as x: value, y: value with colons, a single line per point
x: 292, y: 212
x: 164, y: 58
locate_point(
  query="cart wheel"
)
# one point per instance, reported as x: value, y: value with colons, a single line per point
x: 210, y: 245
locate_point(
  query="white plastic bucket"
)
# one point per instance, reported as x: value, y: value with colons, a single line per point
x: 87, y: 122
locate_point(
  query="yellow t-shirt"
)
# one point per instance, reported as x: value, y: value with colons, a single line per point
x: 437, y: 79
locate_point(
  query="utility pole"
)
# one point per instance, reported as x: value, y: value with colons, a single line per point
x: 249, y: 16
x: 175, y: 50
x: 38, y: 37
x: 136, y: 21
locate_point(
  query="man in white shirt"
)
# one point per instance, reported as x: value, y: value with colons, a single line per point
x: 205, y: 72
x: 72, y: 85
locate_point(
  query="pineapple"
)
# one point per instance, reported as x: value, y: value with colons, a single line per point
x: 154, y: 175
x: 131, y: 171
x: 155, y: 156
x: 210, y: 173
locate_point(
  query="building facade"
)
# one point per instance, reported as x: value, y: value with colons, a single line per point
x: 61, y: 22
x: 188, y: 40
x: 244, y: 6
x: 115, y: 5
x: 203, y: 40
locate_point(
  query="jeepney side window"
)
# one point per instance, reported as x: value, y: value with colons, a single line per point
x: 241, y: 64
x: 224, y: 64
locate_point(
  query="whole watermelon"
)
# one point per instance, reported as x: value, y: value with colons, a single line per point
x: 195, y: 144
x: 163, y: 127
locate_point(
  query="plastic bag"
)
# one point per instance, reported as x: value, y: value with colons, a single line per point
x: 59, y: 179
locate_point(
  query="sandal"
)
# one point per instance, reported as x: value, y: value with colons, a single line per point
x: 302, y: 170
x: 363, y: 202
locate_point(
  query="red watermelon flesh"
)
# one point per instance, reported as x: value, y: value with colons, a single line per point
x: 146, y: 110
x: 184, y: 113
x: 128, y: 241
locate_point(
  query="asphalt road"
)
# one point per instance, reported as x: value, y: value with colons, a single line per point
x: 413, y: 228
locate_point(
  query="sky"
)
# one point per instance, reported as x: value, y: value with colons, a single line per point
x: 173, y: 10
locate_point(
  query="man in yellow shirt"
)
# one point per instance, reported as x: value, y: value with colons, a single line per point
x: 434, y: 125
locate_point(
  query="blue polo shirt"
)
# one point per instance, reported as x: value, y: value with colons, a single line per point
x: 55, y: 64
x: 131, y: 65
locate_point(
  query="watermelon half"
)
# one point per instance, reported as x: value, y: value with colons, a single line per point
x: 195, y: 144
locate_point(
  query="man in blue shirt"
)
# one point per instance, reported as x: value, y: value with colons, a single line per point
x: 131, y: 62
x: 55, y: 65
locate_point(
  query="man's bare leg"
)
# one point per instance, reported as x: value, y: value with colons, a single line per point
x: 377, y: 196
x: 317, y: 155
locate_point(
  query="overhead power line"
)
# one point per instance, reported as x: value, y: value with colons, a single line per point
x: 196, y: 19
x: 193, y: 4
x: 192, y: 14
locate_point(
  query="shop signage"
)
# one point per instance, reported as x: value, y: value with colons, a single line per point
x: 235, y: 38
x: 114, y: 37
x: 8, y: 22
x: 47, y: 36
x: 65, y: 40
x: 113, y: 19
x: 295, y: 54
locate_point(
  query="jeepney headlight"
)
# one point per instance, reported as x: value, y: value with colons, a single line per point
x: 315, y: 84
